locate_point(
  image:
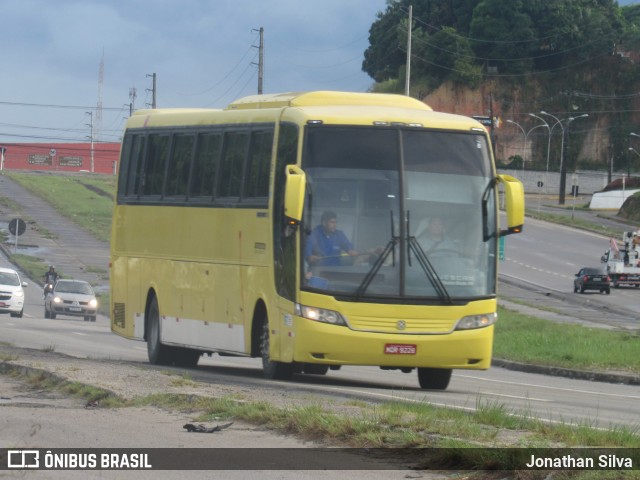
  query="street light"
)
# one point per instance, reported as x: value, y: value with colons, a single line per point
x: 90, y: 125
x: 524, y: 147
x: 548, y: 142
x: 631, y: 149
x: 563, y: 167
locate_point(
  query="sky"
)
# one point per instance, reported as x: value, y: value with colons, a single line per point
x: 204, y: 54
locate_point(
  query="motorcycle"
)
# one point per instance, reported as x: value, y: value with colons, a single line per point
x: 48, y: 288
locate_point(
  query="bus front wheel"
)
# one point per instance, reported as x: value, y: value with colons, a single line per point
x: 434, y: 378
x: 272, y: 370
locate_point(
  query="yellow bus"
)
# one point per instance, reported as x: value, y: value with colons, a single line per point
x: 295, y: 227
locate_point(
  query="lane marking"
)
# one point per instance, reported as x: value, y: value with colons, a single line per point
x: 532, y: 385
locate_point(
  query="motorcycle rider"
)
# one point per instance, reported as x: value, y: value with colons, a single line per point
x: 50, y: 278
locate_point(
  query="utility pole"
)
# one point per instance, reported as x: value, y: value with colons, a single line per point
x: 2, y: 150
x: 260, y: 59
x: 153, y: 90
x: 408, y: 72
x: 90, y: 125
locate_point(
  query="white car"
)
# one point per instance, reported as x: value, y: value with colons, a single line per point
x: 11, y: 292
x: 71, y: 297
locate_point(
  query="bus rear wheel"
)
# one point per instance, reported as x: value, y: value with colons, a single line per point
x: 158, y: 353
x: 272, y: 370
x: 434, y: 378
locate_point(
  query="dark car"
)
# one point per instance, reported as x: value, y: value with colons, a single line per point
x: 592, y: 279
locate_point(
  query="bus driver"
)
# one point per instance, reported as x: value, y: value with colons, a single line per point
x: 326, y: 244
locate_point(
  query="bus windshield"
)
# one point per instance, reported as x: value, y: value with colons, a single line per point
x: 397, y: 213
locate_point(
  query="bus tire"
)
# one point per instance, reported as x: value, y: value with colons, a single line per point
x: 272, y: 370
x: 434, y: 378
x: 158, y: 353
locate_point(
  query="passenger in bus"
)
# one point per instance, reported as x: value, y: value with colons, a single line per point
x: 434, y: 237
x: 326, y: 245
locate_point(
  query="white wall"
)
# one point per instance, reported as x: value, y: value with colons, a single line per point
x: 610, y: 200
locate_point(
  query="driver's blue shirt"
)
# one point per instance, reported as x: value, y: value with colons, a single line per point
x: 327, y: 246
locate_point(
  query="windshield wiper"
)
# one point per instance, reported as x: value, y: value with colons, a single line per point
x: 373, y: 271
x: 426, y: 265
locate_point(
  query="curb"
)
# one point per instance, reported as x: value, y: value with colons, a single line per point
x: 604, y: 377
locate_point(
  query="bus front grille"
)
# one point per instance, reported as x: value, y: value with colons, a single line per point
x: 402, y: 325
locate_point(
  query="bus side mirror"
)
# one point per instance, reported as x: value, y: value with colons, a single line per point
x: 513, y: 203
x: 294, y: 194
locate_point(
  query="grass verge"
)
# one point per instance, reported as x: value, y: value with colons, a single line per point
x: 527, y: 339
x: 86, y: 200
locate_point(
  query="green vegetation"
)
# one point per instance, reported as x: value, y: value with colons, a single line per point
x: 568, y: 220
x: 88, y: 201
x: 567, y: 57
x: 527, y: 339
x: 459, y: 41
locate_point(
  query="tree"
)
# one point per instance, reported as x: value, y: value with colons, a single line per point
x: 446, y: 55
x: 502, y: 35
x: 383, y: 58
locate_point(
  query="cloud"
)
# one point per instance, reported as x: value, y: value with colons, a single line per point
x: 204, y: 53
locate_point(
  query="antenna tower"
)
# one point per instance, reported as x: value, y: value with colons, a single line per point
x: 133, y: 93
x: 98, y: 116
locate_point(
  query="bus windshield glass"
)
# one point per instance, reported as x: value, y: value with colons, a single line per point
x: 397, y: 213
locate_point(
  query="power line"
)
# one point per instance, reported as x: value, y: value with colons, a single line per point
x: 44, y: 105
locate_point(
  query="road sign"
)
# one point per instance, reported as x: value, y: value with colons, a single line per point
x: 17, y: 226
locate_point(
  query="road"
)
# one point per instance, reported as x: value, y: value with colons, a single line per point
x: 546, y: 397
x: 549, y: 255
x: 545, y: 256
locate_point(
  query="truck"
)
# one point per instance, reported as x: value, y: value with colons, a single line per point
x: 622, y: 263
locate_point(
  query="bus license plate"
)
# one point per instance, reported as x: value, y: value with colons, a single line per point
x: 399, y: 349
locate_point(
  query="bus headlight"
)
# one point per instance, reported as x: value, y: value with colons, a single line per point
x: 477, y: 321
x: 320, y: 315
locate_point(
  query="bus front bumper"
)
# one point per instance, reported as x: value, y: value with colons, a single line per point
x: 327, y: 344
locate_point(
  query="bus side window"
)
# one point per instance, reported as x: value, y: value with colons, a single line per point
x: 178, y: 168
x: 134, y: 171
x: 231, y: 166
x: 257, y: 174
x: 205, y: 165
x: 156, y: 158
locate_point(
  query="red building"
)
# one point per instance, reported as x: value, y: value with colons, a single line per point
x: 64, y: 157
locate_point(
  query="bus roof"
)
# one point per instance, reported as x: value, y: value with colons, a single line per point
x: 327, y: 107
x: 326, y: 98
